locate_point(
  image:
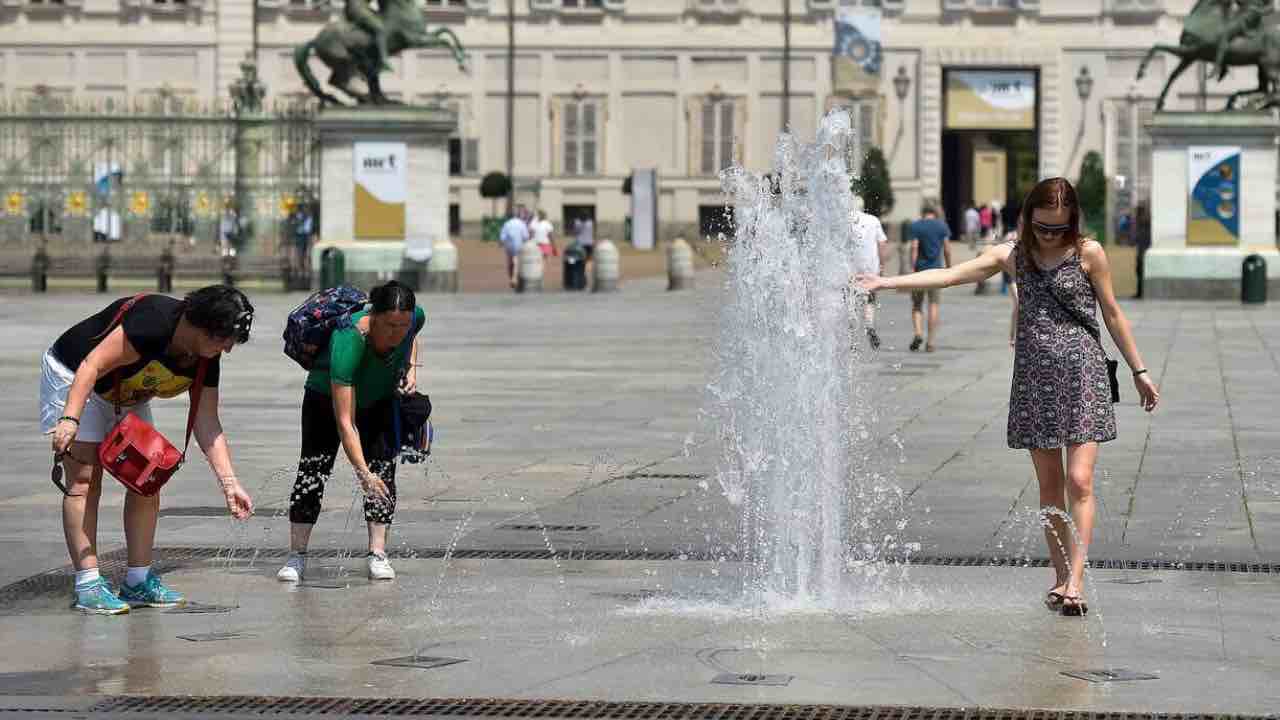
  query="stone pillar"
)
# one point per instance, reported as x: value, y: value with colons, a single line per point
x: 679, y: 265
x: 530, y: 270
x: 424, y: 131
x: 607, y: 266
x: 1198, y: 257
x: 442, y: 269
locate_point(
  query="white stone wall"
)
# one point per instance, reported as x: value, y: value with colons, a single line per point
x: 647, y: 63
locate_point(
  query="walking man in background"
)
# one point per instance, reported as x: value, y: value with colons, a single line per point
x: 930, y: 248
x: 515, y: 233
x: 972, y: 226
x: 871, y: 250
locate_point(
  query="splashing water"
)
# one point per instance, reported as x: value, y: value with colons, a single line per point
x: 791, y: 394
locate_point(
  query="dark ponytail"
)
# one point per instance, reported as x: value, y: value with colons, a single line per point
x: 393, y: 296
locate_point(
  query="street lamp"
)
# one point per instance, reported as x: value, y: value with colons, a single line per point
x: 1084, y: 84
x: 901, y: 86
x: 902, y: 83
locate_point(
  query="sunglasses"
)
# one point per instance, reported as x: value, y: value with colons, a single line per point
x: 1043, y: 229
x: 56, y: 475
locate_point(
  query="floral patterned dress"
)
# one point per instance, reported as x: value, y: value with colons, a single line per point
x: 1061, y: 394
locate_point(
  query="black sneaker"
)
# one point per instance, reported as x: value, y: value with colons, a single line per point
x: 916, y: 342
x: 873, y: 339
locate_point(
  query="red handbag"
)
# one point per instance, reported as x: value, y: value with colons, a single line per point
x: 134, y: 452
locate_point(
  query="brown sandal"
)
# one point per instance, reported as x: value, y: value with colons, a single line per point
x: 1073, y: 606
x: 1053, y: 601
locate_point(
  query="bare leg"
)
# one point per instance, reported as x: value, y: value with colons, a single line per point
x: 140, y: 515
x: 935, y: 322
x: 299, y: 536
x: 917, y: 322
x: 1080, y: 462
x: 1052, y: 481
x: 80, y: 508
x: 378, y: 538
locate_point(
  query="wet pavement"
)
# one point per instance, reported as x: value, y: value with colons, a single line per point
x: 581, y: 411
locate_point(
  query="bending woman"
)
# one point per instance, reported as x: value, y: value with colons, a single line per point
x: 1060, y: 396
x: 90, y: 377
x: 349, y: 401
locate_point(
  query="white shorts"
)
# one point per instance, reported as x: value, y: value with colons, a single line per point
x: 99, y: 416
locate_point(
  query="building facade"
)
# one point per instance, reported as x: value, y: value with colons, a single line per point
x: 683, y: 86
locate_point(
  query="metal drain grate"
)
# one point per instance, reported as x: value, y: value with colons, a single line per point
x: 208, y: 511
x: 549, y: 528
x: 181, y: 557
x: 664, y: 476
x: 598, y: 710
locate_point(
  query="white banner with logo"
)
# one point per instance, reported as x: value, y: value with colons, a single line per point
x: 381, y: 188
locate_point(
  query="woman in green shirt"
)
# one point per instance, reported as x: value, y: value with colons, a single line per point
x: 350, y: 401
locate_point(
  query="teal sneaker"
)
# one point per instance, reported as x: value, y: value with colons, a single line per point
x: 151, y: 593
x: 96, y: 598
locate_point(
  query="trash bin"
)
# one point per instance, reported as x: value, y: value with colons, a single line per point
x: 333, y: 268
x: 575, y: 267
x: 1253, y: 280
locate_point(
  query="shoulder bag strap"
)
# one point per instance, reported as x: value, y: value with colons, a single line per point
x: 197, y: 389
x: 116, y: 322
x: 1093, y: 332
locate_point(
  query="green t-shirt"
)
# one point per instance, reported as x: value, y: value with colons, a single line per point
x: 373, y: 377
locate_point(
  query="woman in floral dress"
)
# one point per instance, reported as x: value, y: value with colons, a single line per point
x: 1060, y: 399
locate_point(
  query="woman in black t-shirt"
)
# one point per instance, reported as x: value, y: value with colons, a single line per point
x: 96, y: 372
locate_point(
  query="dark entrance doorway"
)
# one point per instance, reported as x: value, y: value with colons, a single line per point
x: 990, y: 139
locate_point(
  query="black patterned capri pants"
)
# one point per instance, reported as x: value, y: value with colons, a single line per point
x: 320, y: 443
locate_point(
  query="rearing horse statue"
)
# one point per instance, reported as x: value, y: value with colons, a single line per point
x: 1202, y: 30
x: 350, y: 51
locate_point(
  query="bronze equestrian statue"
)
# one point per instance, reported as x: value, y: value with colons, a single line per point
x: 1227, y: 33
x: 362, y: 43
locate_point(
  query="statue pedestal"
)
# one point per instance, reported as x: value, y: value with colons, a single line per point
x: 384, y: 190
x: 1213, y: 202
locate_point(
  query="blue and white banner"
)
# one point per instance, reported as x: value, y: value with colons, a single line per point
x: 1213, y: 208
x: 858, y: 38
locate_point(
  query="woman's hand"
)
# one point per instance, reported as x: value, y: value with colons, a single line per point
x: 1147, y: 391
x: 870, y: 283
x: 238, y: 501
x: 373, y: 486
x: 63, y: 435
x: 410, y: 382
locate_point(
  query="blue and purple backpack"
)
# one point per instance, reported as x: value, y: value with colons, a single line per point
x: 311, y: 324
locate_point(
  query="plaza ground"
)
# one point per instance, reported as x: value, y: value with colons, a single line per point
x: 578, y: 415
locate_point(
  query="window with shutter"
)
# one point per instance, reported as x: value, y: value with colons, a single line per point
x: 580, y: 136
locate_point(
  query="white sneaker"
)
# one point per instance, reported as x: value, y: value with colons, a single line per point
x: 379, y: 567
x: 294, y: 568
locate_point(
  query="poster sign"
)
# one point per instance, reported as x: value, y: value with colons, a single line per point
x: 1213, y: 210
x: 991, y: 100
x: 380, y: 190
x: 858, y: 38
x: 857, y: 54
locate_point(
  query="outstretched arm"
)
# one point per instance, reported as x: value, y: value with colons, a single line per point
x: 980, y: 268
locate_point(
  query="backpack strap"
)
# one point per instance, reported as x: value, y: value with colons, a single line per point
x: 197, y: 389
x: 116, y: 322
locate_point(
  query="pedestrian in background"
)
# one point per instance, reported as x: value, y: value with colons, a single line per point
x: 1060, y: 399
x: 541, y: 230
x: 584, y: 234
x: 871, y: 250
x: 930, y: 249
x: 1142, y: 240
x: 514, y: 234
x: 972, y: 226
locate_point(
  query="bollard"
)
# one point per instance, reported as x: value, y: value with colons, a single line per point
x: 442, y: 269
x: 607, y: 267
x: 679, y: 265
x: 229, y: 270
x: 529, y: 275
x: 164, y: 270
x: 102, y: 267
x: 40, y: 271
